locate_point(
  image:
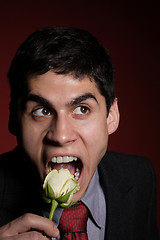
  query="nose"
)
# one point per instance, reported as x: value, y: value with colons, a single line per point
x: 62, y: 131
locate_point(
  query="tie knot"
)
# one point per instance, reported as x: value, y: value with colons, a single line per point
x: 74, y: 219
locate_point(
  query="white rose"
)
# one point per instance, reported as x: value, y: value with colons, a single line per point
x: 60, y: 186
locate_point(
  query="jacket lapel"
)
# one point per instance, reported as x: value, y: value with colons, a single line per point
x: 119, y: 194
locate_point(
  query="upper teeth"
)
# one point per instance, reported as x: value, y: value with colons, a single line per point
x: 64, y: 159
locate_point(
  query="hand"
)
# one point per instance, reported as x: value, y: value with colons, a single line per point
x: 19, y: 229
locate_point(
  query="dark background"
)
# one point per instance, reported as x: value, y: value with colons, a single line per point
x: 130, y: 31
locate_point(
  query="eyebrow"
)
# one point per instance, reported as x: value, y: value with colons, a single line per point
x: 39, y: 99
x: 45, y: 102
x: 82, y: 98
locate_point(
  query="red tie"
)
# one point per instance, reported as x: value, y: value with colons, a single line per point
x: 73, y: 222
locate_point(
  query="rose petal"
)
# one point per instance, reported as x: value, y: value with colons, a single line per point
x: 57, y: 179
x: 69, y: 185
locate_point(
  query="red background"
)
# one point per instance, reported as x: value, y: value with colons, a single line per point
x: 130, y: 31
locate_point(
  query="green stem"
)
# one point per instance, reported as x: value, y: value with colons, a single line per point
x: 53, y: 208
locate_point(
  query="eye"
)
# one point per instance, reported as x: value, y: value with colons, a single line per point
x: 81, y: 110
x: 42, y: 112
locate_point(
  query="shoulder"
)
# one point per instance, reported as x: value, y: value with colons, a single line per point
x: 20, y: 184
x: 6, y: 155
x: 129, y: 169
x: 9, y: 154
x: 10, y: 163
x: 129, y: 162
x: 15, y: 166
x: 7, y: 162
x: 10, y: 169
x: 129, y: 186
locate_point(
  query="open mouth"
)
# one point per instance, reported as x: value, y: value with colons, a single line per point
x: 72, y: 163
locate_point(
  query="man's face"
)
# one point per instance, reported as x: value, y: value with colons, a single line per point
x: 65, y: 120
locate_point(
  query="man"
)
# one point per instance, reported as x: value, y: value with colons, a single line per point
x: 63, y: 106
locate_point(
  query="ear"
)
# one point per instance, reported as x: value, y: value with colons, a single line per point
x: 113, y: 117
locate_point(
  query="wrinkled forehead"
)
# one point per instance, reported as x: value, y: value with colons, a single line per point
x: 51, y: 83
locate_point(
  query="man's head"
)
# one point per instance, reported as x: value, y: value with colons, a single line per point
x: 62, y: 101
x: 66, y: 51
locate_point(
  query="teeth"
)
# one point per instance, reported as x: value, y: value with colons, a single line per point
x: 49, y: 168
x: 64, y: 159
x: 77, y: 174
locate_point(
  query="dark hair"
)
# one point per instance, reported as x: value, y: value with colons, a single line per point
x: 66, y: 51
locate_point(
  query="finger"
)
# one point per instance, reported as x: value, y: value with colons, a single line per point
x: 30, y: 221
x: 33, y: 235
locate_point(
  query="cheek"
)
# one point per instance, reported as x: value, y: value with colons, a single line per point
x: 30, y: 144
x: 32, y: 131
x: 99, y: 143
x: 31, y: 138
x: 96, y: 138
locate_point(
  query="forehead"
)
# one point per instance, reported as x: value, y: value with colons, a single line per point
x: 52, y: 84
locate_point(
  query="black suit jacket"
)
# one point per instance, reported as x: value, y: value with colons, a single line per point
x: 128, y: 183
